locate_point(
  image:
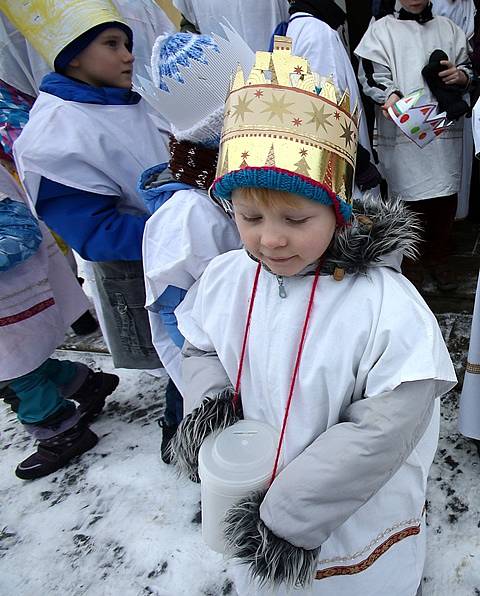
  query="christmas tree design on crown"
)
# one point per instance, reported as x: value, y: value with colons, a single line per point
x: 418, y: 118
x: 285, y: 118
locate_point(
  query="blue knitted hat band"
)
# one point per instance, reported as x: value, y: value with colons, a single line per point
x: 275, y: 178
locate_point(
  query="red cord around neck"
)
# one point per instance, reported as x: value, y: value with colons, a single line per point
x: 236, y: 395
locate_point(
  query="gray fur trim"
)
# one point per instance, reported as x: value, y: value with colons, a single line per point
x: 214, y: 413
x: 272, y: 561
x: 392, y: 228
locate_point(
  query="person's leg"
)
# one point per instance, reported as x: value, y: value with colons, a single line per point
x: 38, y: 391
x: 413, y: 269
x: 171, y: 419
x: 52, y: 420
x: 81, y: 384
x: 441, y: 218
x: 437, y: 216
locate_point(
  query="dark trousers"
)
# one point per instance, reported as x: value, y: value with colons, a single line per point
x: 174, y: 405
x: 121, y: 288
x: 437, y: 217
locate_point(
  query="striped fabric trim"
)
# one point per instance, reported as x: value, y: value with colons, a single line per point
x: 370, y: 560
x: 27, y: 314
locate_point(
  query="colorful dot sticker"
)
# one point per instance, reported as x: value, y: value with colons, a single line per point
x: 422, y: 135
x: 404, y: 118
x: 414, y: 130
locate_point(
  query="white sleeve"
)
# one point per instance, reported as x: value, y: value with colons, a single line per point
x: 181, y: 238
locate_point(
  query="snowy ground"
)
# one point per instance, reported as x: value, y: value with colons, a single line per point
x: 118, y: 522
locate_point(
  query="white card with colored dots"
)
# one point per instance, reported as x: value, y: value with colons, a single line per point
x: 418, y: 118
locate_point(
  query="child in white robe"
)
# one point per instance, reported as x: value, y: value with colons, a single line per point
x: 393, y: 52
x: 315, y: 333
x: 186, y: 229
x: 469, y: 406
x: 313, y: 29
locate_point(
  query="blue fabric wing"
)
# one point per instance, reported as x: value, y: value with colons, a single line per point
x: 20, y: 234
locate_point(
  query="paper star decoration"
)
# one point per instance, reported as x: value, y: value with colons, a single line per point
x: 242, y: 108
x: 277, y: 107
x: 319, y: 117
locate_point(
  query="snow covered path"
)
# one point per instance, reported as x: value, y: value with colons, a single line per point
x: 118, y: 522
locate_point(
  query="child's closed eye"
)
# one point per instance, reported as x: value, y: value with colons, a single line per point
x: 251, y: 218
x: 297, y: 221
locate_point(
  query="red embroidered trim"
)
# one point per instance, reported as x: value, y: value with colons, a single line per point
x: 27, y: 314
x: 370, y: 560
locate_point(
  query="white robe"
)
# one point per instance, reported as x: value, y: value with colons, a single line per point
x: 41, y: 298
x: 469, y: 408
x: 461, y: 12
x: 180, y: 239
x: 96, y: 148
x: 255, y: 21
x: 321, y: 45
x: 346, y: 357
x: 403, y: 47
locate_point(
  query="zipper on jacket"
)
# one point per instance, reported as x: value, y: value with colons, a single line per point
x: 282, y: 292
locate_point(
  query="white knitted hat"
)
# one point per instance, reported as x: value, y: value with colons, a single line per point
x: 190, y: 80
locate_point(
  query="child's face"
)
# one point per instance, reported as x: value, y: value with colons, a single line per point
x: 414, y: 6
x: 105, y: 62
x: 286, y: 238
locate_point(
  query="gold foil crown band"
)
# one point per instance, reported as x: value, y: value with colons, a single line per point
x: 283, y: 118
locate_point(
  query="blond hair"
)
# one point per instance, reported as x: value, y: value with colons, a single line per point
x: 266, y: 196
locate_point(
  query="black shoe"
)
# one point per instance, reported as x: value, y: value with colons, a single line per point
x: 85, y: 325
x: 168, y: 432
x: 92, y: 394
x: 54, y: 453
x: 476, y: 442
x: 10, y: 397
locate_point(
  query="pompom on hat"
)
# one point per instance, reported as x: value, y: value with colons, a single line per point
x: 286, y: 128
x: 190, y: 78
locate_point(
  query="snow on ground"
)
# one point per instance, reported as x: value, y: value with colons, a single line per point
x: 118, y: 522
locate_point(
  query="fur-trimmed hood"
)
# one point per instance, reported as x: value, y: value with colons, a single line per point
x: 379, y: 235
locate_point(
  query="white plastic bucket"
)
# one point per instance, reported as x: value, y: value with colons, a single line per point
x: 231, y: 465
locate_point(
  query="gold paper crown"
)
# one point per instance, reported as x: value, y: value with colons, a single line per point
x: 51, y: 25
x: 283, y: 116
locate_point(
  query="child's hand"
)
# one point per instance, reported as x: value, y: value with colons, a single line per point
x: 393, y: 98
x: 452, y: 75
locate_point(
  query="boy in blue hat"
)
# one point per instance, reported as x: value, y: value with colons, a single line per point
x: 88, y: 139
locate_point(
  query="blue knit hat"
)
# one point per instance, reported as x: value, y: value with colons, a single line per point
x: 78, y: 45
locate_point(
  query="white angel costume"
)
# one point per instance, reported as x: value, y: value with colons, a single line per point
x: 412, y: 173
x: 188, y: 229
x: 363, y: 426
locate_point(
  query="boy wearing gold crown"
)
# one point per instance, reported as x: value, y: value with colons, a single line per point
x: 322, y: 338
x: 87, y: 140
